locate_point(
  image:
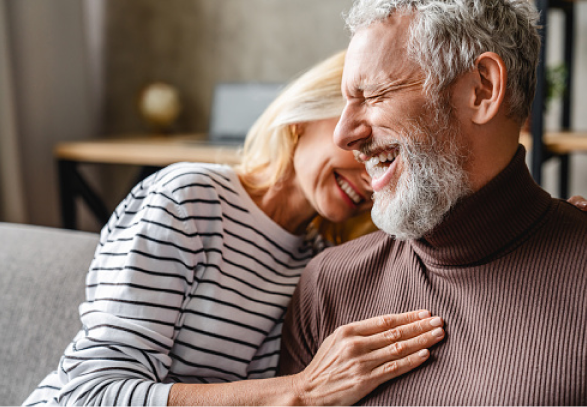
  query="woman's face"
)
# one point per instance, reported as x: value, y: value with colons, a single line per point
x: 332, y: 181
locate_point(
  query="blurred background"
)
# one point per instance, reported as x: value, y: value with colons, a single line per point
x: 74, y: 70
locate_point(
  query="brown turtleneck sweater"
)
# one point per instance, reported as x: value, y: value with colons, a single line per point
x: 506, y: 269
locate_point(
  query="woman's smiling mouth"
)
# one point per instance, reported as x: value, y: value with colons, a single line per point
x: 348, y: 189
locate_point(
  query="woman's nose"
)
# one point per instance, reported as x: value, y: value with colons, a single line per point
x: 351, y: 131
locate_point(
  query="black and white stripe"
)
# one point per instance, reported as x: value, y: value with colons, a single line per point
x: 189, y: 283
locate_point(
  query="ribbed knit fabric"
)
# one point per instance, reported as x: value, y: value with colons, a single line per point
x: 507, y: 270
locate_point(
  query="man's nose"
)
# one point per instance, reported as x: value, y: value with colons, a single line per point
x: 351, y: 131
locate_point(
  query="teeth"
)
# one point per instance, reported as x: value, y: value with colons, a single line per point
x: 372, y: 164
x: 385, y: 156
x: 345, y: 186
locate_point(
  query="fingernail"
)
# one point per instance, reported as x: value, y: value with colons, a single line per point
x: 438, y: 332
x: 424, y: 314
x: 436, y: 321
x: 423, y: 353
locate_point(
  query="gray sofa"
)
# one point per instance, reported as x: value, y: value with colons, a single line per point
x: 42, y: 278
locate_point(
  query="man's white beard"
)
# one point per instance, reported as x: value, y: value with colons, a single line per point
x: 432, y: 181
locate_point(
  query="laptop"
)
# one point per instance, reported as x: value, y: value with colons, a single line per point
x: 236, y: 107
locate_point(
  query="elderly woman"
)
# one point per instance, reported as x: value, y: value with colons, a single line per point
x: 194, y: 271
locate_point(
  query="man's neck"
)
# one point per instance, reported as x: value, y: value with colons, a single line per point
x: 492, y: 148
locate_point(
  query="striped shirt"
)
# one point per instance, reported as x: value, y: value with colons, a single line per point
x: 189, y: 283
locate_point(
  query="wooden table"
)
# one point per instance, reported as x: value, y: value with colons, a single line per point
x: 149, y: 152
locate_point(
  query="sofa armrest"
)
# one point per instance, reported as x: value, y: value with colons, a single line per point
x: 42, y: 279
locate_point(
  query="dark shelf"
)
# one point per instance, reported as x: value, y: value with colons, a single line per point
x: 540, y: 152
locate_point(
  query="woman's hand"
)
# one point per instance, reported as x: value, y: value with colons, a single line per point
x: 351, y: 363
x: 579, y: 202
x: 358, y: 357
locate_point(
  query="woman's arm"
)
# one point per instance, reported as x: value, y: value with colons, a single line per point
x: 351, y: 363
x: 137, y: 284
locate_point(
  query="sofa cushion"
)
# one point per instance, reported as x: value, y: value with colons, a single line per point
x: 42, y: 278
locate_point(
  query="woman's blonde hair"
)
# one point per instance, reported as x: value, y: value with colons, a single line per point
x: 269, y: 146
x: 267, y: 156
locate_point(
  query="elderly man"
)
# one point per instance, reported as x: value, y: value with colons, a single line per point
x: 436, y: 94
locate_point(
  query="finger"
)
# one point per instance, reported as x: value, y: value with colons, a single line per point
x: 404, y: 332
x: 401, y: 349
x: 384, y: 323
x: 578, y: 201
x: 393, y: 369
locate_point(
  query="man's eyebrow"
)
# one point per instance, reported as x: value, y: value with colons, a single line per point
x: 392, y: 86
x: 352, y: 91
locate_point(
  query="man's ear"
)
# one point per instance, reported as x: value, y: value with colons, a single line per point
x: 490, y: 79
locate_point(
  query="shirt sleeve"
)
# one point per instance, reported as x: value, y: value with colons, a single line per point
x: 137, y: 286
x: 301, y: 330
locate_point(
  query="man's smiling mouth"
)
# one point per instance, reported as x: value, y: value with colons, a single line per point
x: 378, y: 163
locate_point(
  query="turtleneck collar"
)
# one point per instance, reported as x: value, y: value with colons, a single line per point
x: 484, y: 224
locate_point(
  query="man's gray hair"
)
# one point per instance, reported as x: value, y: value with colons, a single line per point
x: 446, y: 37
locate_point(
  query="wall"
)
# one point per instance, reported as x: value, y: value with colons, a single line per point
x: 194, y: 44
